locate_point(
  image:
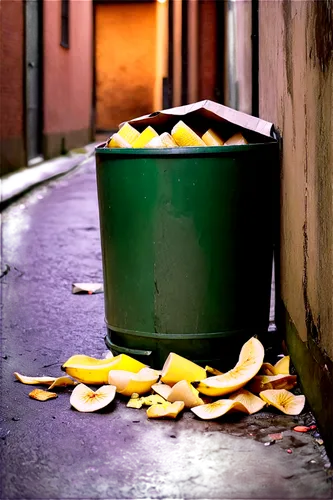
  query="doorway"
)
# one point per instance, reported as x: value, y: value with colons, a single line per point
x: 33, y: 78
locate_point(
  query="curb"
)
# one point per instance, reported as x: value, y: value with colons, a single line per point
x: 15, y: 185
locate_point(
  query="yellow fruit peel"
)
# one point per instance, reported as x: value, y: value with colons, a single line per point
x: 42, y: 395
x: 63, y: 382
x: 213, y: 371
x: 249, y: 363
x: 128, y: 382
x: 218, y: 409
x: 146, y: 136
x: 280, y: 368
x: 211, y: 138
x: 264, y: 382
x: 284, y: 401
x: 177, y: 368
x: 95, y: 371
x: 184, y: 391
x: 34, y: 380
x: 252, y: 403
x: 165, y: 410
x: 129, y: 133
x: 162, y: 389
x: 86, y: 400
x: 137, y: 402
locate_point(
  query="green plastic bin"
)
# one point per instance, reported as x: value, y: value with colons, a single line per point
x: 187, y: 244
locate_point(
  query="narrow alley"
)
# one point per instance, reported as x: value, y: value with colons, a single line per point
x: 51, y: 451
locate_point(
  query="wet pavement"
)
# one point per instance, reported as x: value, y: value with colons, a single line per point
x: 50, y: 451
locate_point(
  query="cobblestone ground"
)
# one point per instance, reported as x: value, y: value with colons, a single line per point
x: 49, y: 450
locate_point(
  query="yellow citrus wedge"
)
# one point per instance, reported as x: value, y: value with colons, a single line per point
x: 284, y: 401
x: 177, y: 368
x: 252, y: 403
x: 34, y: 380
x: 41, y: 395
x: 218, y: 408
x: 184, y: 391
x: 262, y: 382
x: 62, y: 382
x: 128, y: 382
x: 213, y: 371
x: 86, y: 400
x: 280, y: 368
x: 95, y: 371
x: 169, y: 410
x: 162, y: 389
x: 249, y: 363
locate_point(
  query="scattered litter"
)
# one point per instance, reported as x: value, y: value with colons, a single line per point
x: 89, y: 288
x: 41, y: 395
x: 16, y: 419
x: 319, y: 441
x: 316, y: 434
x: 312, y: 427
x: 301, y: 428
x: 313, y: 462
x: 289, y: 451
x: 276, y: 437
x: 269, y: 443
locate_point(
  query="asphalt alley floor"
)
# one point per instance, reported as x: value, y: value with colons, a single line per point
x: 50, y: 451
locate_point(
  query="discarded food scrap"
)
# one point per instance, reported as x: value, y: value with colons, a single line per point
x: 86, y: 400
x: 181, y: 136
x: 178, y: 385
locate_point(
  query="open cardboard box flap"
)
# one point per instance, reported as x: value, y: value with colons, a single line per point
x: 205, y: 114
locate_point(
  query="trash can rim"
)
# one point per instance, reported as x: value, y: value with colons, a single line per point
x: 188, y: 151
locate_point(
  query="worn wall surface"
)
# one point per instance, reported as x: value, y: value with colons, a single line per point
x: 67, y: 77
x: 207, y: 50
x: 125, y: 62
x: 12, y: 148
x: 296, y: 93
x: 243, y: 47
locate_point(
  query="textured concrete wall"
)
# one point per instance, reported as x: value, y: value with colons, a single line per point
x: 11, y: 85
x: 125, y: 62
x: 296, y: 82
x: 67, y: 72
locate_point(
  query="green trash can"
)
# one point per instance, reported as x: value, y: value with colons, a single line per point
x: 187, y: 245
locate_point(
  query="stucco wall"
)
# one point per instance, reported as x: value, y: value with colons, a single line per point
x: 296, y: 82
x: 67, y: 72
x: 12, y: 151
x: 125, y: 62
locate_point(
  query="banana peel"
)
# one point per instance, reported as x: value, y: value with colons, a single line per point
x: 94, y: 371
x: 284, y: 400
x: 128, y: 382
x: 280, y: 368
x: 184, y: 391
x: 218, y: 408
x: 86, y: 400
x: 249, y: 363
x: 165, y: 410
x: 264, y: 382
x: 34, y: 380
x: 41, y: 395
x: 162, y: 389
x: 177, y: 368
x: 252, y: 403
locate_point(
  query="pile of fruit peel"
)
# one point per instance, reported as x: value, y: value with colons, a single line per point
x: 181, y: 136
x: 181, y: 384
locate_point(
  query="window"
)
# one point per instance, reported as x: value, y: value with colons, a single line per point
x: 65, y: 24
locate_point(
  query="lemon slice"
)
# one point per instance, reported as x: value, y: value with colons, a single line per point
x: 262, y: 382
x: 218, y: 408
x: 252, y: 403
x: 184, y: 391
x: 249, y: 363
x: 95, y: 371
x: 170, y: 410
x: 177, y: 368
x: 284, y: 401
x: 34, y: 380
x: 280, y: 368
x: 128, y: 382
x: 86, y: 400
